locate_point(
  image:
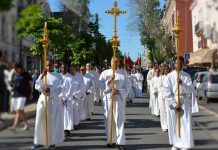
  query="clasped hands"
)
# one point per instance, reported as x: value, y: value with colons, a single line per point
x: 113, y: 92
x: 44, y: 73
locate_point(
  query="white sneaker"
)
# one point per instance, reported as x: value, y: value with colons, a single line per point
x: 25, y: 128
x: 174, y: 148
x: 165, y: 130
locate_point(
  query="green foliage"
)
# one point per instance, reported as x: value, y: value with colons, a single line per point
x: 103, y: 48
x: 5, y: 5
x: 66, y: 46
x: 153, y: 34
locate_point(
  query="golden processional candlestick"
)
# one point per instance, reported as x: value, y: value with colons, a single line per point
x: 115, y: 11
x: 177, y: 30
x: 45, y: 41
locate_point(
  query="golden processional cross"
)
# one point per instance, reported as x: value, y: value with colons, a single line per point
x: 177, y: 30
x: 45, y: 41
x: 115, y: 42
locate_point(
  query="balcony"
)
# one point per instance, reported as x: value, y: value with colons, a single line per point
x: 199, y: 28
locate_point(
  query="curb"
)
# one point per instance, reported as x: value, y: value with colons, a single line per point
x: 30, y: 111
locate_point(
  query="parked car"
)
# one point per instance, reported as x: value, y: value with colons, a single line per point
x: 209, y: 88
x: 198, y: 80
x: 193, y: 70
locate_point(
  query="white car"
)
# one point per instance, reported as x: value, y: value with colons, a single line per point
x: 198, y: 80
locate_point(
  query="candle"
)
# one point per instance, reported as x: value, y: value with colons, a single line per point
x: 177, y: 13
x: 45, y: 24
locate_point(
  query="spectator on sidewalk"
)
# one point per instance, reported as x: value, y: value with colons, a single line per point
x: 22, y: 89
x: 35, y: 76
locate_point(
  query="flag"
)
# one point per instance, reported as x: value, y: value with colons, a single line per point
x: 130, y: 62
x: 125, y: 60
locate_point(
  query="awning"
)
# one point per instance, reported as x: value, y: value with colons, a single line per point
x: 210, y: 57
x: 202, y: 56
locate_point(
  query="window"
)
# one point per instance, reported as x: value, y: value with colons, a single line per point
x: 215, y: 79
x: 13, y: 34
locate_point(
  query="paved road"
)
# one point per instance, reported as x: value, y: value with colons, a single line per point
x: 213, y: 105
x: 142, y: 132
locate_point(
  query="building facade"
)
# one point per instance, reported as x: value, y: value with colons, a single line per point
x: 169, y: 19
x: 13, y: 48
x: 205, y: 31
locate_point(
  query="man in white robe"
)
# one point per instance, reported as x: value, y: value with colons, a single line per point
x: 67, y: 100
x: 131, y: 94
x: 161, y: 99
x: 55, y: 109
x: 138, y: 83
x: 95, y: 76
x: 188, y: 106
x: 154, y: 93
x: 78, y: 90
x: 150, y: 75
x: 120, y: 93
x: 89, y: 90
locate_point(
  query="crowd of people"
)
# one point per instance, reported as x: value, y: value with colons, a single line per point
x: 164, y: 102
x: 72, y: 93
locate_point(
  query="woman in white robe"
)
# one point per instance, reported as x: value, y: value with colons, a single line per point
x: 188, y: 106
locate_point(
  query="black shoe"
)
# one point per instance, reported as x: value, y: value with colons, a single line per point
x: 121, y: 147
x: 51, y: 147
x: 36, y: 146
x: 76, y: 127
x: 67, y: 133
x: 130, y: 101
x: 89, y: 119
x: 111, y: 146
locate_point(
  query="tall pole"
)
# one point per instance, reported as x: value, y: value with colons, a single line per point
x: 177, y: 30
x: 115, y: 11
x: 45, y: 41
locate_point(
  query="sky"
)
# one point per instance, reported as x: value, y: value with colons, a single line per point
x: 129, y: 40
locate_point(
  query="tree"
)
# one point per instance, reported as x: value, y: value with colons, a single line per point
x: 153, y: 34
x: 78, y: 11
x: 63, y: 43
x: 5, y: 5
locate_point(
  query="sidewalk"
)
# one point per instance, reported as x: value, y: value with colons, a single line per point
x: 8, y: 118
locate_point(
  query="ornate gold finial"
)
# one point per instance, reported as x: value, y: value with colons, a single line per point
x: 177, y: 30
x: 45, y: 39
